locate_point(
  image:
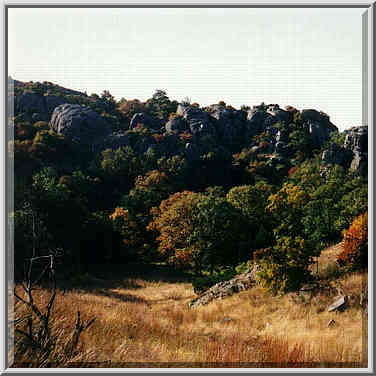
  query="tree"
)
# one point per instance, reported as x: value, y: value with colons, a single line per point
x: 108, y: 101
x: 355, y: 244
x: 285, y: 266
x: 287, y: 208
x: 353, y: 202
x: 252, y: 202
x: 31, y: 236
x: 216, y: 231
x: 176, y: 168
x: 149, y: 190
x: 174, y: 223
x: 120, y: 162
x: 160, y: 105
x: 64, y: 212
x: 128, y: 229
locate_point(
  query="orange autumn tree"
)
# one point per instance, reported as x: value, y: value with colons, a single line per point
x: 173, y: 220
x: 124, y: 224
x: 355, y: 244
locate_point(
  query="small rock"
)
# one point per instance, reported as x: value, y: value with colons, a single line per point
x: 331, y: 323
x: 339, y: 304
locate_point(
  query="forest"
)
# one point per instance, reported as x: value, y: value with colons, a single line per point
x: 206, y: 191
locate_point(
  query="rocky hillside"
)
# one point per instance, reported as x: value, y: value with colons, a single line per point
x: 277, y: 138
x: 122, y: 169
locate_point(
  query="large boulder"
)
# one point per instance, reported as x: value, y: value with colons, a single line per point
x: 230, y: 123
x: 197, y: 119
x: 144, y: 119
x: 227, y: 288
x: 31, y: 102
x: 279, y: 114
x: 336, y: 154
x: 319, y: 126
x: 52, y: 101
x: 80, y: 124
x: 357, y: 141
x: 176, y: 125
x: 255, y: 121
x: 312, y: 115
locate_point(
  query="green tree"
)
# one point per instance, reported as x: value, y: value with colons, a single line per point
x: 252, y: 200
x: 287, y: 209
x: 285, y: 266
x: 160, y: 105
x: 64, y: 213
x: 216, y: 231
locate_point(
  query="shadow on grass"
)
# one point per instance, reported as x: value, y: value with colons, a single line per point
x: 122, y: 297
x: 129, y: 276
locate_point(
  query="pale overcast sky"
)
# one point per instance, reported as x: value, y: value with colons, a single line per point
x: 307, y: 58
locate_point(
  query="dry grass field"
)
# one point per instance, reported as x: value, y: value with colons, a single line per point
x: 146, y: 322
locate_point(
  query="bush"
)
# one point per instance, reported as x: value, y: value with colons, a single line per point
x: 355, y: 239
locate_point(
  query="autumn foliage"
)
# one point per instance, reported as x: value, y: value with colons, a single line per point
x: 173, y: 221
x: 127, y: 227
x: 355, y: 239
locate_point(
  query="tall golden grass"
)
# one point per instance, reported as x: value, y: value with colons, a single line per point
x: 143, y: 323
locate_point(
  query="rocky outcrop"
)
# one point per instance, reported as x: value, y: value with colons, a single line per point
x: 115, y: 140
x: 336, y: 154
x: 197, y: 119
x: 44, y: 105
x: 30, y: 102
x: 227, y: 288
x: 52, y: 101
x: 145, y: 120
x: 319, y: 126
x: 353, y: 154
x: 176, y: 125
x: 230, y: 124
x: 80, y: 124
x: 357, y: 141
x: 279, y: 114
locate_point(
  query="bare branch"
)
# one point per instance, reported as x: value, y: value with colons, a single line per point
x: 90, y: 322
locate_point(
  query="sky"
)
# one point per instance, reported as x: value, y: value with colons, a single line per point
x: 307, y: 58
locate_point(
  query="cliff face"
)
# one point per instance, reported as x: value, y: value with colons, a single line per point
x: 357, y: 141
x: 353, y: 153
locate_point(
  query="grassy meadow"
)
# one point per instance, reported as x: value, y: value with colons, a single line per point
x: 143, y: 320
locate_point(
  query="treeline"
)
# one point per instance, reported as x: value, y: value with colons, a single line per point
x: 231, y: 204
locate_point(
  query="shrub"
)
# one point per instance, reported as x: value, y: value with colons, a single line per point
x: 355, y: 245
